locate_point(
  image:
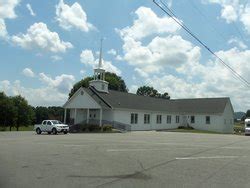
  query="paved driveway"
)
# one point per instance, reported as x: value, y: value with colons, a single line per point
x: 137, y: 159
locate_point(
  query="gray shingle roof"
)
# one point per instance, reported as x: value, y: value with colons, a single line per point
x: 116, y: 99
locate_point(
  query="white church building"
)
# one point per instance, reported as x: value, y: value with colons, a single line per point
x: 99, y: 105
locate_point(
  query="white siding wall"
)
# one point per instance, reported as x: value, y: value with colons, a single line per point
x: 82, y: 100
x: 123, y: 116
x: 228, y: 121
x: 81, y: 115
x: 216, y: 122
x: 108, y: 115
x: 222, y: 123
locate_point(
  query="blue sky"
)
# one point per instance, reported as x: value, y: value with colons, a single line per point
x: 47, y: 46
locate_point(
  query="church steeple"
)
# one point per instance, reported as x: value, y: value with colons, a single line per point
x: 100, y: 55
x: 99, y: 82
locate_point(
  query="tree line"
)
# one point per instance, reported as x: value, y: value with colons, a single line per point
x: 16, y: 112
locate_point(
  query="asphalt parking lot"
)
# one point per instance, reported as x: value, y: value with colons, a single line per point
x: 137, y: 159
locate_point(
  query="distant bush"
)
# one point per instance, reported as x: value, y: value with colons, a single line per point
x: 90, y: 128
x: 186, y: 128
x: 239, y: 129
x: 94, y: 128
x: 107, y: 128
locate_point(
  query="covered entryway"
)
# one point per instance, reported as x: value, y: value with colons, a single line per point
x: 84, y: 116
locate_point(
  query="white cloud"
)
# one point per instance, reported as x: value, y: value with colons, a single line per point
x: 72, y: 17
x: 82, y: 72
x: 56, y: 58
x: 87, y: 58
x: 48, y: 96
x: 133, y: 89
x: 245, y: 18
x: 230, y: 8
x: 141, y: 72
x: 40, y: 37
x: 32, y: 13
x: 4, y: 85
x: 160, y: 53
x: 229, y: 13
x: 237, y: 42
x: 7, y: 8
x: 119, y: 58
x: 7, y: 11
x: 62, y: 83
x: 164, y: 49
x: 3, y: 30
x: 112, y: 52
x: 234, y: 10
x: 143, y: 26
x: 53, y: 92
x: 28, y: 72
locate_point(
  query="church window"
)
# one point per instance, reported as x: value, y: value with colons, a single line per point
x: 146, y: 118
x: 134, y: 118
x: 168, y: 119
x: 207, y: 119
x: 192, y: 119
x: 158, y: 119
x: 177, y: 119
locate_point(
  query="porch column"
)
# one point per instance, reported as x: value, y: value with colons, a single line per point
x: 87, y: 115
x: 100, y: 123
x: 75, y: 116
x: 65, y: 114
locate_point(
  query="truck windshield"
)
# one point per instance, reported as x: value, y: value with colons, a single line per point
x: 56, y: 122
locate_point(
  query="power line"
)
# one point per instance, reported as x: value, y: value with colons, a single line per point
x: 171, y: 14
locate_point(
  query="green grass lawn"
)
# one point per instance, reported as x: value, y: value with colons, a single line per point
x: 28, y: 128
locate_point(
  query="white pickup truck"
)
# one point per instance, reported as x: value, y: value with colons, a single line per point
x: 51, y: 126
x: 247, y: 126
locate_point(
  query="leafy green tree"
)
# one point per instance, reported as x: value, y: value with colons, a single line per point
x: 115, y: 83
x: 42, y: 113
x: 25, y: 114
x: 248, y: 113
x: 82, y: 83
x: 51, y: 112
x: 165, y: 95
x: 147, y: 91
x: 151, y: 92
x: 8, y: 110
x: 56, y: 112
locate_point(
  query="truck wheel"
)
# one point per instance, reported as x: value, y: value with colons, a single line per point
x: 54, y: 131
x: 49, y: 132
x: 38, y: 131
x: 65, y: 132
